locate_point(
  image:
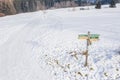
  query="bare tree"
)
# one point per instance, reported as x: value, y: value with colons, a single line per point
x: 10, y: 5
x: 39, y: 5
x: 68, y: 4
x: 57, y: 5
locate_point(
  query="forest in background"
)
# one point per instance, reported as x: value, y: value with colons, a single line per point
x: 9, y: 7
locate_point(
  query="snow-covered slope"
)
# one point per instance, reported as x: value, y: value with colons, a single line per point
x: 41, y: 45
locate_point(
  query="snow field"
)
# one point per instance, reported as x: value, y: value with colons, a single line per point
x: 37, y: 46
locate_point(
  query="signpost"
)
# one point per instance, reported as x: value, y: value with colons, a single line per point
x: 89, y: 37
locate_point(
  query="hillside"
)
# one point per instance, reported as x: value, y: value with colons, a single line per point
x: 40, y: 45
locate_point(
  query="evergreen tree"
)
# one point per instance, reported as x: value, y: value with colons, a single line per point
x: 112, y: 4
x: 98, y: 4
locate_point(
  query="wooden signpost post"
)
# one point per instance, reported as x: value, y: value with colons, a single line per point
x: 89, y: 37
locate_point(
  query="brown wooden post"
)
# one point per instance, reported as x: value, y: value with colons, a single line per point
x: 86, y: 58
x: 87, y: 48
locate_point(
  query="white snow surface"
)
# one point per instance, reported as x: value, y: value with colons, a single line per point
x: 40, y: 45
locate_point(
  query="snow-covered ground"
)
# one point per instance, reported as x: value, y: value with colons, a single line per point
x: 41, y: 45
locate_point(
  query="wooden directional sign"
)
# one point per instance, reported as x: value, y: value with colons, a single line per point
x: 89, y: 37
x: 93, y: 37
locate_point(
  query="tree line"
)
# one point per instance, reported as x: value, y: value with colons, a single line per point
x: 9, y: 7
